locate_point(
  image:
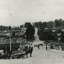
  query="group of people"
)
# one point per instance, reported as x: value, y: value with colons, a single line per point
x: 47, y: 45
x: 28, y: 50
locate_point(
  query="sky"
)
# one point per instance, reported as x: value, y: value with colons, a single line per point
x: 17, y: 12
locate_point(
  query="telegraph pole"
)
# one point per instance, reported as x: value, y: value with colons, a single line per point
x: 10, y: 45
x: 10, y: 42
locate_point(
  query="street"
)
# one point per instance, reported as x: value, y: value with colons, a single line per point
x: 40, y: 56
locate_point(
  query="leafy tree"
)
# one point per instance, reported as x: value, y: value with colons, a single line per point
x: 30, y: 32
x: 59, y: 31
x: 13, y: 34
x: 43, y: 34
x: 62, y: 23
x: 38, y: 24
x: 21, y: 26
x: 1, y: 28
x: 50, y: 24
x: 46, y: 34
x: 44, y: 24
x: 62, y: 36
x: 57, y: 23
x: 10, y: 28
x: 27, y: 24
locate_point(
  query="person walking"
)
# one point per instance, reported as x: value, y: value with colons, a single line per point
x: 30, y: 50
x: 46, y: 47
x: 26, y: 50
x: 38, y: 46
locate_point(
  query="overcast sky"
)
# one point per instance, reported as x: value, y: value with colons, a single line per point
x: 17, y: 12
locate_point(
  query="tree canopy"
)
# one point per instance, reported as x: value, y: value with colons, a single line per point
x: 30, y: 32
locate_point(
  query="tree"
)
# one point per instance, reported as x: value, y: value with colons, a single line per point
x: 62, y: 23
x: 44, y: 25
x: 43, y: 34
x: 30, y: 32
x: 27, y: 24
x: 21, y: 26
x: 13, y: 34
x: 10, y: 28
x: 1, y: 28
x: 46, y: 34
x: 50, y: 24
x: 38, y: 24
x: 62, y: 37
x: 57, y: 23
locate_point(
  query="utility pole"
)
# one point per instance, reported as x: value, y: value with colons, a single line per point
x: 10, y: 41
x: 10, y: 45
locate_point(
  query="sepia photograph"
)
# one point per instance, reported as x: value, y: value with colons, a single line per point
x: 31, y: 31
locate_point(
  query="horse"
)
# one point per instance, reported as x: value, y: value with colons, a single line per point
x: 28, y: 50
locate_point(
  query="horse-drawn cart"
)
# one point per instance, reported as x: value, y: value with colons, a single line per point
x: 18, y: 55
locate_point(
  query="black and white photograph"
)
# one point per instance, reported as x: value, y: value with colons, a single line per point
x: 31, y: 31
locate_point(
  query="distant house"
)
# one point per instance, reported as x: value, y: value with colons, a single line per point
x: 53, y: 30
x: 62, y: 29
x: 61, y: 35
x: 3, y: 34
x: 5, y: 31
